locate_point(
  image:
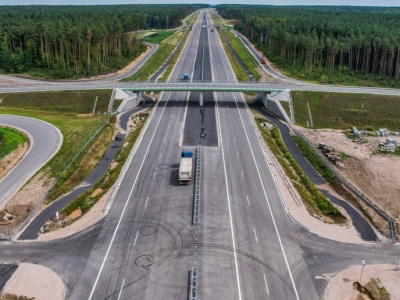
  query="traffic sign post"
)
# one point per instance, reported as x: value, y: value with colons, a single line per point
x: 362, y: 267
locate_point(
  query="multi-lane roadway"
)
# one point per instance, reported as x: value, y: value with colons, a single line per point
x: 246, y: 246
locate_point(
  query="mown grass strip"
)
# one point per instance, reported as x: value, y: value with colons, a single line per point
x: 243, y: 53
x: 307, y: 190
x: 314, y: 159
x: 158, y: 37
x: 10, y: 139
x: 239, y: 72
x: 157, y: 60
x: 344, y: 110
x: 86, y: 200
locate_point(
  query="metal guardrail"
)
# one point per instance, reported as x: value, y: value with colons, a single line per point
x: 194, y: 283
x: 196, y: 204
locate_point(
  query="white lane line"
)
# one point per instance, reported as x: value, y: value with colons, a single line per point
x: 248, y: 202
x: 134, y: 243
x: 154, y: 175
x: 234, y: 139
x: 165, y: 139
x: 145, y: 205
x: 242, y: 175
x: 230, y: 212
x: 266, y: 285
x: 120, y: 291
x: 159, y: 156
x: 238, y: 154
x: 267, y: 200
x: 126, y: 203
x: 255, y: 234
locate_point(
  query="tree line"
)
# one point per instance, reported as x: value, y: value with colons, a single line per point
x: 76, y: 41
x: 325, y: 43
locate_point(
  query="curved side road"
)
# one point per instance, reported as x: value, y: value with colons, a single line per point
x: 45, y: 141
x: 365, y: 230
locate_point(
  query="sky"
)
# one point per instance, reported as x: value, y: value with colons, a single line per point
x: 266, y: 2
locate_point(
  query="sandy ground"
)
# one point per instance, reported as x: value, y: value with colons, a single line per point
x: 9, y: 161
x: 35, y: 281
x: 341, y: 286
x: 93, y: 215
x: 377, y: 176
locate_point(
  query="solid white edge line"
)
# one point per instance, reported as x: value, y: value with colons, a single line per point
x: 255, y: 234
x: 229, y: 208
x: 137, y: 233
x: 145, y: 205
x: 266, y: 285
x: 266, y: 198
x: 126, y: 203
x: 120, y: 291
x: 248, y: 202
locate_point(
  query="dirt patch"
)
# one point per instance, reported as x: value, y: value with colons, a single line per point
x: 9, y: 161
x: 375, y: 176
x: 114, y: 164
x: 96, y: 192
x: 377, y: 282
x: 75, y: 214
x: 35, y: 281
x: 26, y: 199
x: 93, y: 215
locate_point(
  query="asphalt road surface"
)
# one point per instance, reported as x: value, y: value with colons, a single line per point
x: 246, y: 246
x: 46, y: 140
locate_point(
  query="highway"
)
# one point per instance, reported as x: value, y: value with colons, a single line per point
x: 246, y: 246
x: 45, y: 140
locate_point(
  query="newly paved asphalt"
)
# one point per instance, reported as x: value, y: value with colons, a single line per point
x: 246, y: 246
x: 46, y: 140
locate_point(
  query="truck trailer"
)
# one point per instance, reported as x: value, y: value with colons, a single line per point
x: 185, y: 168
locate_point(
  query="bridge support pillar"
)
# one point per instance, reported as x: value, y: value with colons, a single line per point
x: 201, y: 98
x: 139, y: 97
x: 265, y: 99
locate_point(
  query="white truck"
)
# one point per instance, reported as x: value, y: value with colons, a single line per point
x: 185, y: 167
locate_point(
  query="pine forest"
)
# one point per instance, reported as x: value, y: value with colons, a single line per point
x: 325, y: 44
x: 79, y: 41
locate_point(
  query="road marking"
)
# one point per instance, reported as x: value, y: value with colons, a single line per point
x: 137, y: 233
x: 255, y: 234
x: 238, y: 154
x: 145, y: 205
x: 242, y: 175
x: 120, y: 291
x: 230, y: 212
x: 234, y: 139
x: 159, y: 156
x: 266, y: 285
x: 231, y: 125
x: 165, y: 139
x: 126, y: 203
x: 266, y: 199
x: 154, y: 176
x: 248, y: 203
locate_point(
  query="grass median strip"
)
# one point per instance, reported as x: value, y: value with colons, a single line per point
x: 310, y: 194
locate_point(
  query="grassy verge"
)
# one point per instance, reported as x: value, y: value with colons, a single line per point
x: 68, y: 111
x: 239, y: 72
x: 157, y: 60
x: 10, y: 139
x: 243, y: 53
x: 344, y: 110
x: 171, y: 65
x: 191, y: 19
x: 158, y: 37
x: 87, y: 200
x: 314, y: 159
x: 309, y: 193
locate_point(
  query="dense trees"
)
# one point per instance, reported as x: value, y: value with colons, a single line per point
x: 325, y: 43
x: 75, y: 41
